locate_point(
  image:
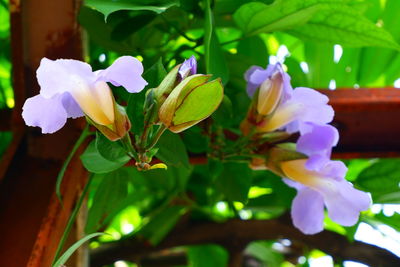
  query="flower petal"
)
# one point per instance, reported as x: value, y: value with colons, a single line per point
x: 71, y: 106
x: 316, y: 141
x: 188, y: 67
x: 126, y: 71
x: 308, y: 211
x: 255, y: 76
x: 344, y: 203
x: 62, y: 75
x: 48, y: 114
x: 315, y: 108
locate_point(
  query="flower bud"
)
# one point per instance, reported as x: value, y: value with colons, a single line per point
x: 190, y: 102
x: 270, y: 94
x: 175, y: 76
x: 164, y: 89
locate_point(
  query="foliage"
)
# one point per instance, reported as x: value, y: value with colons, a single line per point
x: 228, y: 37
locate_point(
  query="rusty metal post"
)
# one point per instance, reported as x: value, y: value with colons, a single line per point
x: 32, y: 220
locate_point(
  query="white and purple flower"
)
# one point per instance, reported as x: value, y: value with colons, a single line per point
x: 70, y: 89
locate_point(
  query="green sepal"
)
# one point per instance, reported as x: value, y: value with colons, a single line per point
x: 280, y: 153
x: 118, y: 129
x: 166, y: 86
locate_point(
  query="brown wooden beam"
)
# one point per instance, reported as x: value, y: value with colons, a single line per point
x: 368, y: 122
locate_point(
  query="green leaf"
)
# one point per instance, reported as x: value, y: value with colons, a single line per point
x: 380, y: 58
x: 160, y: 224
x: 63, y: 259
x: 107, y: 7
x: 392, y: 221
x: 214, y: 55
x: 207, y: 256
x: 235, y: 181
x: 344, y: 25
x: 112, y: 151
x: 155, y: 74
x: 224, y: 113
x: 263, y: 251
x: 320, y: 63
x: 255, y: 49
x: 172, y: 150
x: 94, y: 162
x: 110, y: 194
x: 257, y: 17
x: 382, y: 180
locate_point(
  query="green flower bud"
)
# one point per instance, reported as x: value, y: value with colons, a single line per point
x: 190, y: 102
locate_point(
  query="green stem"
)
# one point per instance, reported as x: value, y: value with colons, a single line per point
x: 156, y: 137
x: 143, y: 138
x: 127, y: 144
x: 85, y: 133
x: 72, y: 218
x: 178, y: 30
x: 234, y: 40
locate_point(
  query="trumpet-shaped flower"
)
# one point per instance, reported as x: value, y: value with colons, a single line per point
x: 320, y: 182
x: 286, y: 108
x: 70, y: 89
x: 325, y: 187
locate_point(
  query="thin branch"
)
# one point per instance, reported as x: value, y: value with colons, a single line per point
x: 238, y: 232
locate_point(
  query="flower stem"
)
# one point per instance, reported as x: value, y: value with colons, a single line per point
x: 156, y: 137
x: 127, y: 144
x: 85, y: 133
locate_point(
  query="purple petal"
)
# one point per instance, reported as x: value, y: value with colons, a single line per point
x: 344, y: 203
x: 293, y: 184
x: 314, y: 108
x: 334, y: 169
x: 71, y: 107
x: 48, y: 114
x: 126, y: 71
x: 188, y: 67
x: 62, y: 75
x: 308, y: 211
x: 255, y: 76
x: 316, y: 141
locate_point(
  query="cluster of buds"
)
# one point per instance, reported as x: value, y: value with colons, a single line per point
x: 277, y: 112
x: 185, y: 98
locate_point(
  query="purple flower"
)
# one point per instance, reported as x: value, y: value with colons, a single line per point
x: 70, y: 89
x: 188, y: 67
x: 320, y: 182
x: 303, y: 106
x: 326, y: 187
x: 291, y: 108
